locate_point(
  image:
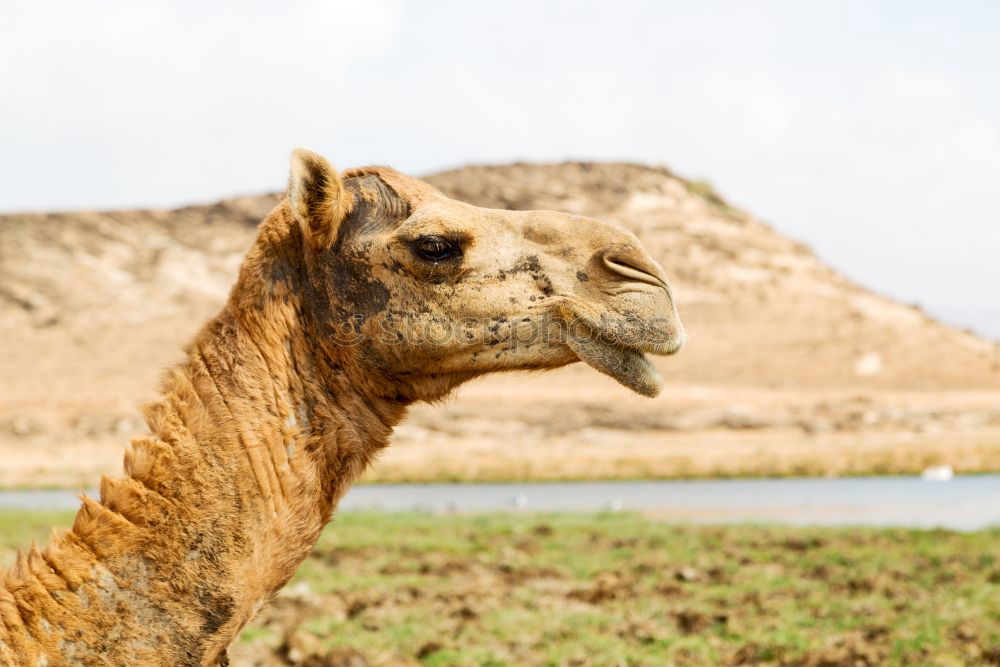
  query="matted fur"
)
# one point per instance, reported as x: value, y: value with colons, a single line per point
x: 274, y: 413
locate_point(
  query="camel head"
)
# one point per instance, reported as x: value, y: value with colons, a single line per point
x: 426, y: 292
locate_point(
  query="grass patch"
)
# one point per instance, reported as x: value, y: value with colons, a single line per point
x: 18, y: 528
x: 511, y: 589
x: 618, y: 588
x: 707, y: 191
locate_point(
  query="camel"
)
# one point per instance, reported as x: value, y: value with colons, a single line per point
x: 364, y: 292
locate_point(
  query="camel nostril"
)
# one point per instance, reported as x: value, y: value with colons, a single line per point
x: 637, y: 268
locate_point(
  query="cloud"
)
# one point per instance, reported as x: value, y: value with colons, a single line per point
x: 147, y: 61
x: 94, y: 86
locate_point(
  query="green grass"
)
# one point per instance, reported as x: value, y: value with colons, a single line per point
x: 706, y: 191
x: 18, y: 528
x: 513, y: 589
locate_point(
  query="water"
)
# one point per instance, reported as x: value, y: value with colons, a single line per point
x: 964, y: 503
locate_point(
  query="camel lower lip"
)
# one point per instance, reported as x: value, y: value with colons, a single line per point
x: 629, y: 367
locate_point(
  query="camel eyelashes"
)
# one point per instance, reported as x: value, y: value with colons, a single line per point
x: 436, y: 248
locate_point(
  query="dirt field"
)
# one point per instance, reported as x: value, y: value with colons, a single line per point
x: 790, y: 368
x: 513, y: 428
x: 618, y: 589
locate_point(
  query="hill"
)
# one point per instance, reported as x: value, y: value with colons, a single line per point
x: 790, y: 367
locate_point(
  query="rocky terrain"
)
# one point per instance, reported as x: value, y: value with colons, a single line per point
x: 790, y: 368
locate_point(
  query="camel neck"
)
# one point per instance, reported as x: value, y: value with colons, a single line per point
x: 267, y: 435
x: 255, y: 438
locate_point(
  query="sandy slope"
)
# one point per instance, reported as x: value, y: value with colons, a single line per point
x: 790, y: 367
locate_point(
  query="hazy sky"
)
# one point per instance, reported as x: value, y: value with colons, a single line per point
x: 870, y: 130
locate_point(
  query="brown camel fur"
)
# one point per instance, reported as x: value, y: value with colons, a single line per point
x: 362, y: 293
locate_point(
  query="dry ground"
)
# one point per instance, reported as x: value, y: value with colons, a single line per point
x: 790, y: 367
x: 575, y: 424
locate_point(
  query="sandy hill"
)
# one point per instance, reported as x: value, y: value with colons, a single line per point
x: 93, y: 304
x: 761, y: 308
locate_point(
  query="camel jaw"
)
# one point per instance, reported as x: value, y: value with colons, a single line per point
x: 629, y: 367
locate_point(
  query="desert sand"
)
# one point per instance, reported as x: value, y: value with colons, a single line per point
x: 790, y: 367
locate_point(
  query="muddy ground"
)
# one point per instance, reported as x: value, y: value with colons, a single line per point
x: 622, y: 590
x: 619, y: 589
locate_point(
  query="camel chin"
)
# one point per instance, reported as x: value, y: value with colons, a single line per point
x: 629, y: 367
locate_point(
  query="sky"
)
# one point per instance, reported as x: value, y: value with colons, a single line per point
x: 870, y: 130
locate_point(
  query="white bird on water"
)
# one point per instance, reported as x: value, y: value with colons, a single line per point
x: 940, y: 473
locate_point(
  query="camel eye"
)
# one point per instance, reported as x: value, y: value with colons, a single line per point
x: 436, y: 248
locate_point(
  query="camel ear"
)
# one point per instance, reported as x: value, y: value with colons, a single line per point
x: 316, y: 193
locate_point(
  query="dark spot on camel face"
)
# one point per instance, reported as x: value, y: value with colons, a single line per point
x: 529, y: 263
x: 582, y: 277
x: 345, y: 291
